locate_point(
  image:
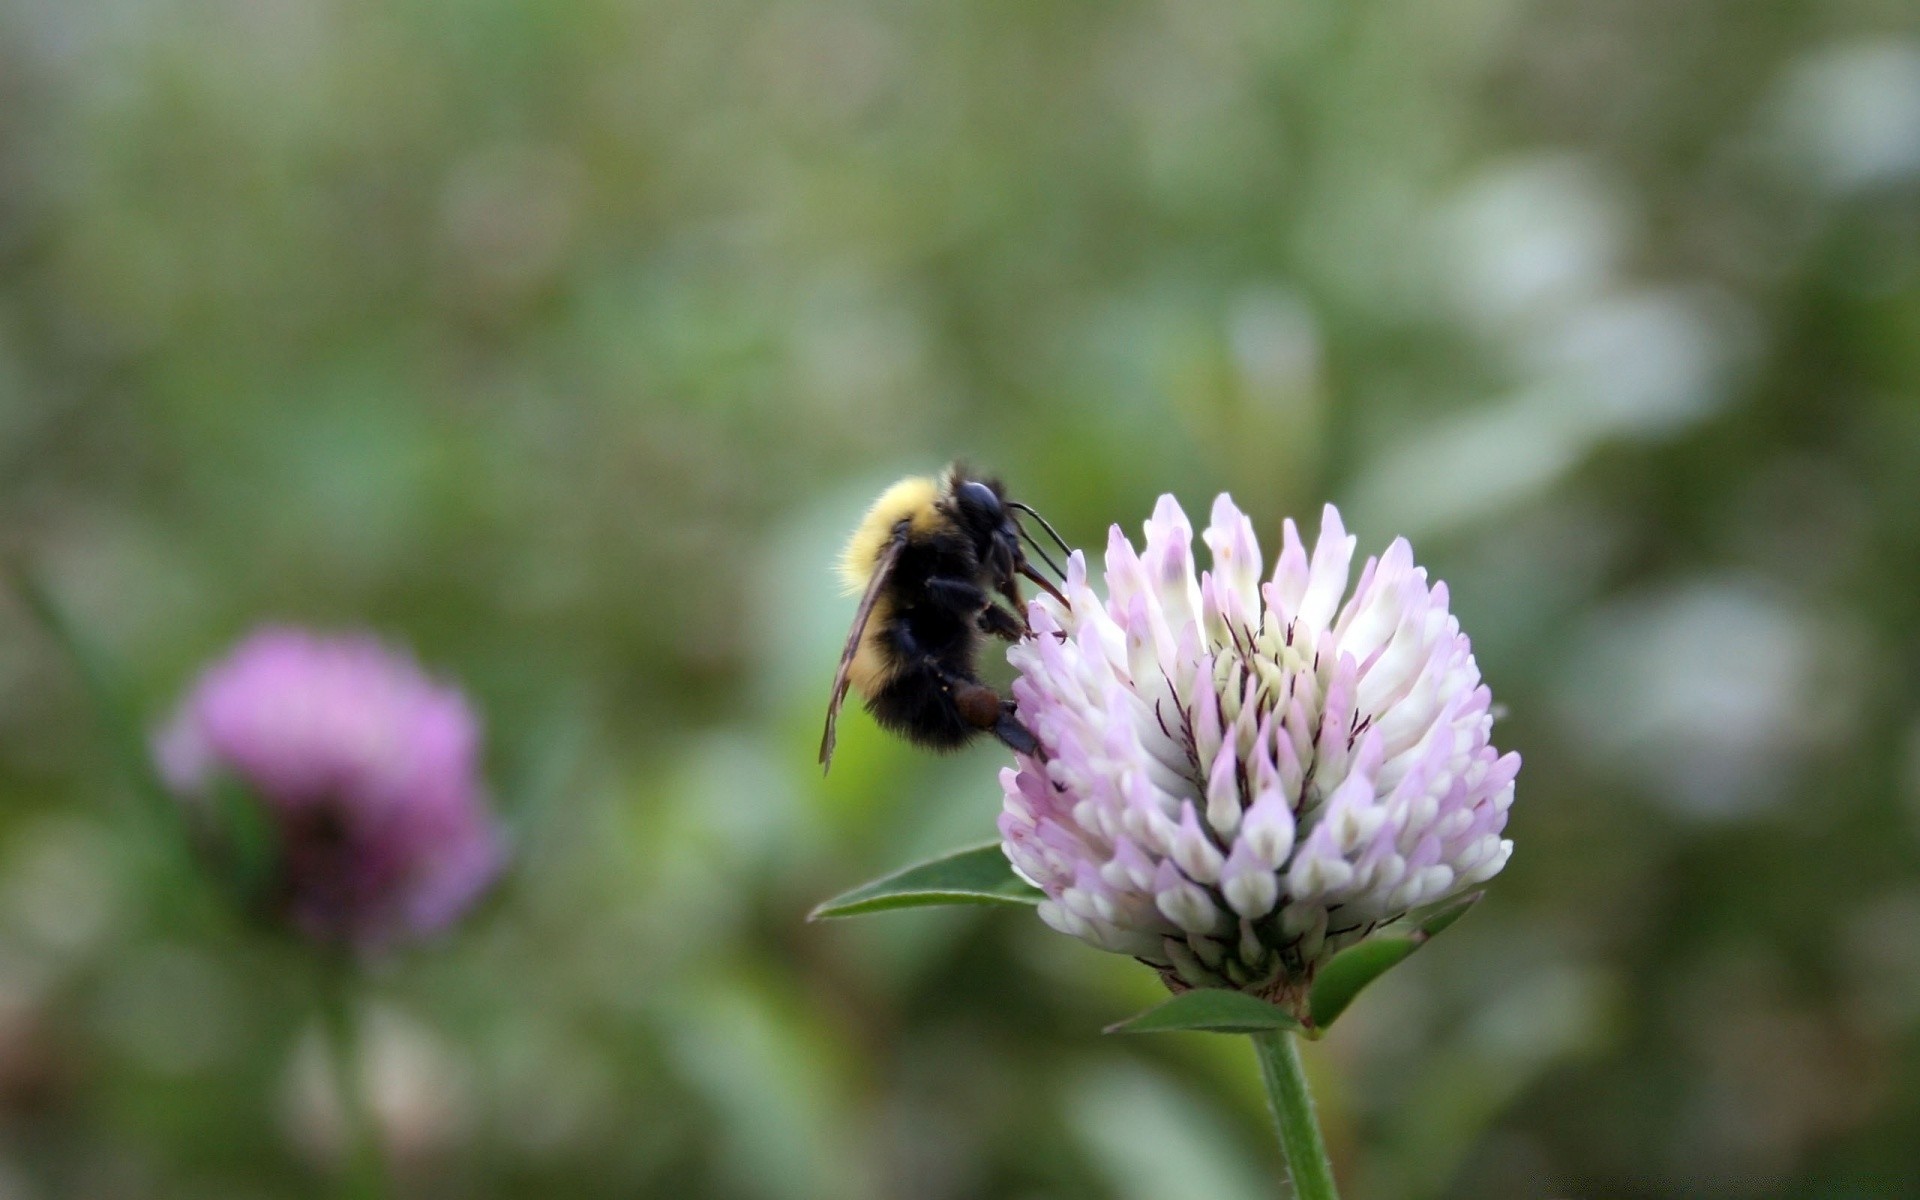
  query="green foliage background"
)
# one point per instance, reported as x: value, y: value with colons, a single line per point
x: 564, y: 340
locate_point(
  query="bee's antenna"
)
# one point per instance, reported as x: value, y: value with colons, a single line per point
x: 1057, y: 539
x: 1040, y: 550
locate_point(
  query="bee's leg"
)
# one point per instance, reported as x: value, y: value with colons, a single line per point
x: 981, y: 707
x: 1002, y: 624
x: 961, y: 597
x: 970, y: 601
x: 1018, y: 737
x: 977, y: 704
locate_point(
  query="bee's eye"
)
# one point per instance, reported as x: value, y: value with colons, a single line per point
x: 977, y: 495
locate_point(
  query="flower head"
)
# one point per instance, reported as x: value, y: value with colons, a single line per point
x: 1240, y: 777
x: 366, y: 770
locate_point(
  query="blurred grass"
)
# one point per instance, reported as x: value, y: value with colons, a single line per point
x: 563, y: 340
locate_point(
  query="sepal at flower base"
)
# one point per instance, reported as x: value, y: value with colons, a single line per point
x: 1218, y: 1010
x: 975, y: 875
x: 1210, y: 1010
x: 1351, y: 970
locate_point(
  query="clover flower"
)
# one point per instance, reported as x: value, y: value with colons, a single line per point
x: 365, y: 770
x: 1237, y: 778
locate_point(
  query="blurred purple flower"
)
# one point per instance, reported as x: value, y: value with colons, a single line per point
x: 1239, y: 779
x: 366, y: 770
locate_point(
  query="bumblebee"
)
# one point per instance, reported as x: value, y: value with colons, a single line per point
x: 929, y: 559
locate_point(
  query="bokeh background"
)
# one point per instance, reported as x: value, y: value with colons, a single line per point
x: 564, y: 339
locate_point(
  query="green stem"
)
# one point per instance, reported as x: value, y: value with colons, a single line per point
x: 365, y: 1176
x: 1294, y: 1118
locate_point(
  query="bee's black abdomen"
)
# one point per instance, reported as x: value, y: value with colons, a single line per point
x: 917, y: 705
x: 934, y: 652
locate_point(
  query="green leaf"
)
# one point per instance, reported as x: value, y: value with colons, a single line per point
x: 1354, y: 968
x: 976, y: 875
x: 1209, y: 1010
x: 245, y: 840
x: 105, y: 694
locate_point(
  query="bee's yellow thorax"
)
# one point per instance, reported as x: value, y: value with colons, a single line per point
x: 912, y: 499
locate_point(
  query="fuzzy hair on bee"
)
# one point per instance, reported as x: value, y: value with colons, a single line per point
x: 931, y: 561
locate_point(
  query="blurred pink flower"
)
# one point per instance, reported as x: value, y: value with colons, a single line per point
x: 1240, y: 778
x: 366, y: 770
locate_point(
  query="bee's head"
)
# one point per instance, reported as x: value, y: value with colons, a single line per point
x: 980, y: 507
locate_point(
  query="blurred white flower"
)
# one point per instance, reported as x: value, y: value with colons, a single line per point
x: 1528, y: 239
x: 1711, y: 693
x: 1850, y: 114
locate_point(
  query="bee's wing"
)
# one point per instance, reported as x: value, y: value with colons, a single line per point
x: 882, y: 570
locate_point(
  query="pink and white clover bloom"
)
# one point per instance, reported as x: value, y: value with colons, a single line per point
x: 1240, y: 776
x: 367, y: 773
